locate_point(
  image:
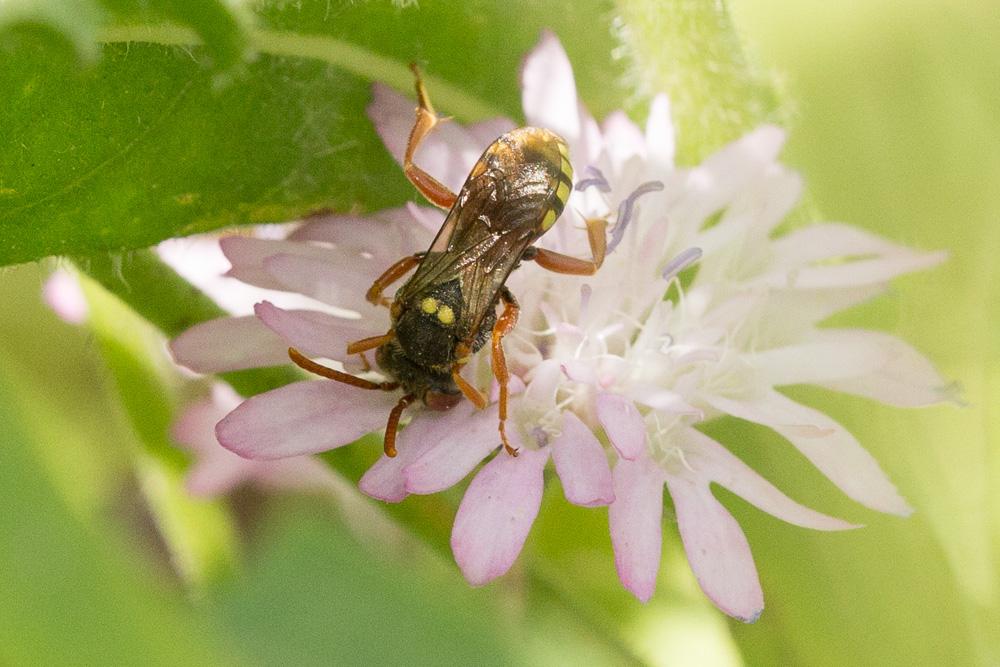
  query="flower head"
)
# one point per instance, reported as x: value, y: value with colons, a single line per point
x: 698, y: 311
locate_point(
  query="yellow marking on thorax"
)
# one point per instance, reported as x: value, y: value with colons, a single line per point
x: 445, y: 314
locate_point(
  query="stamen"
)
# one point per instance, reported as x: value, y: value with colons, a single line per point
x: 681, y: 262
x: 625, y: 212
x: 597, y: 180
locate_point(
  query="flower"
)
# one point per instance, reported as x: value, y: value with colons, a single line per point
x: 602, y: 359
x: 216, y: 471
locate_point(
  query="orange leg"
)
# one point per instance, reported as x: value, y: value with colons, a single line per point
x: 504, y: 325
x: 370, y: 343
x: 437, y: 193
x: 559, y: 263
x: 389, y: 444
x: 391, y: 275
x: 467, y: 389
x: 319, y: 369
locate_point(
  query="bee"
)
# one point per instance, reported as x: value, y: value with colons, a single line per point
x: 447, y: 310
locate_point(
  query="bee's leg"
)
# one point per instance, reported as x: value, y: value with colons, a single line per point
x: 470, y: 392
x: 463, y: 351
x: 559, y: 263
x: 309, y: 365
x: 389, y: 444
x: 504, y: 325
x: 437, y: 193
x: 389, y: 276
x: 370, y: 343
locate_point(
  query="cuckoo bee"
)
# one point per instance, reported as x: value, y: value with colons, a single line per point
x: 447, y: 310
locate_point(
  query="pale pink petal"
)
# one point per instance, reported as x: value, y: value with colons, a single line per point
x: 392, y: 114
x: 385, y: 480
x: 624, y: 425
x: 717, y: 550
x: 905, y: 378
x: 447, y: 153
x: 247, y: 256
x: 548, y: 89
x: 708, y: 461
x: 229, y: 344
x: 496, y: 514
x: 634, y: 520
x: 485, y: 132
x: 660, y: 141
x: 313, y: 333
x: 466, y: 442
x: 303, y: 418
x: 62, y: 293
x: 834, y: 451
x: 336, y: 284
x: 581, y: 371
x: 385, y: 236
x: 429, y: 219
x: 541, y: 390
x: 582, y: 464
x: 218, y: 474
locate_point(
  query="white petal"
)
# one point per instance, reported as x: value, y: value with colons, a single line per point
x: 822, y: 359
x: 303, y: 418
x: 470, y: 435
x: 905, y: 378
x: 717, y: 550
x: 548, y: 89
x: 708, y: 461
x: 624, y: 425
x: 622, y: 140
x: 865, y: 258
x: 834, y: 451
x: 716, y: 181
x: 660, y: 140
x: 496, y: 514
x: 229, y: 344
x: 634, y: 520
x: 582, y: 464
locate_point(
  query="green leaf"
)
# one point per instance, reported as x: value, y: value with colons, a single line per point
x: 690, y: 51
x: 158, y: 140
x: 199, y: 533
x: 71, y: 593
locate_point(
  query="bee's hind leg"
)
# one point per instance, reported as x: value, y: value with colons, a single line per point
x: 435, y: 191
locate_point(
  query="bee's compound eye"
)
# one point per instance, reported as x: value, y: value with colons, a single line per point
x: 436, y: 400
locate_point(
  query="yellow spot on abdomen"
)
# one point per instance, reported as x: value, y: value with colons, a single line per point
x: 563, y: 192
x: 549, y: 220
x: 446, y: 314
x: 429, y: 305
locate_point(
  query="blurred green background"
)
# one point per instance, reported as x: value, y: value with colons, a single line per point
x: 894, y: 116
